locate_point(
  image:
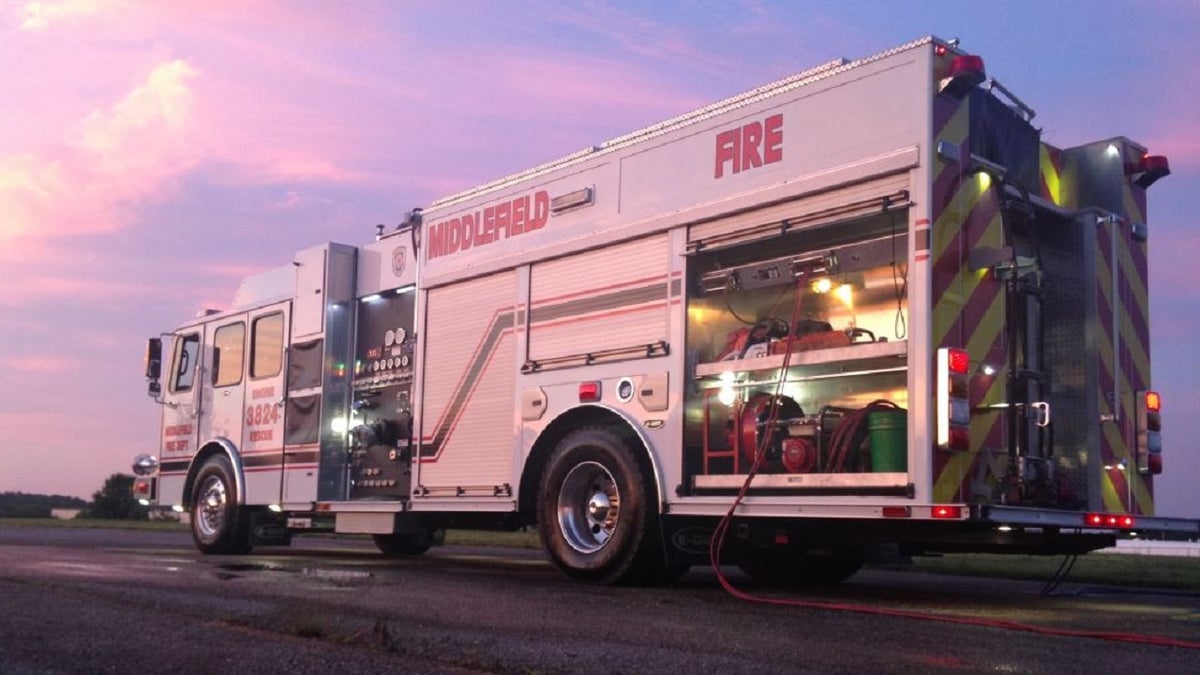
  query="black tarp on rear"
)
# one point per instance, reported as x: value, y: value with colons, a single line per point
x: 1001, y: 135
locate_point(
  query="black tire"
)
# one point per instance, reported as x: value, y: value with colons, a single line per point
x: 791, y: 568
x: 596, y: 511
x: 404, y: 544
x: 219, y: 525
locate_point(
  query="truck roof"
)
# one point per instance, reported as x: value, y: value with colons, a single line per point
x: 807, y: 77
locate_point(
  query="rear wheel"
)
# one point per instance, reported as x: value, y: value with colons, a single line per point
x: 219, y: 525
x: 595, y: 510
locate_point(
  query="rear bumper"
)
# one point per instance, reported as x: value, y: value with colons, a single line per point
x: 1024, y: 517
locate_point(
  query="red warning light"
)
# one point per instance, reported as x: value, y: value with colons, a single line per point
x: 947, y: 512
x: 968, y: 64
x: 589, y: 392
x: 1149, y: 169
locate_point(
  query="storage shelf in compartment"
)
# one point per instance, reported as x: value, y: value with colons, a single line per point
x: 856, y: 352
x: 800, y: 480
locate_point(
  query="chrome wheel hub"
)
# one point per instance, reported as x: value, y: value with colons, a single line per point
x: 589, y: 507
x: 209, y: 512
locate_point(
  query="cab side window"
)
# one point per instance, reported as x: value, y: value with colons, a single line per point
x: 229, y: 344
x: 187, y: 352
x: 266, y: 346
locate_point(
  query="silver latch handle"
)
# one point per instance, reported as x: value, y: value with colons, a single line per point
x: 1042, y: 411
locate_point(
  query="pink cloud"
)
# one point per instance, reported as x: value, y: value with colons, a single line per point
x: 37, y: 365
x: 115, y: 156
x: 115, y: 159
x: 82, y: 287
x: 41, y: 15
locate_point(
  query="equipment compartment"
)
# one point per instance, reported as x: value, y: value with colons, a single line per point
x: 791, y: 354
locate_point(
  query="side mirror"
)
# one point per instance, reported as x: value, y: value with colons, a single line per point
x: 154, y: 359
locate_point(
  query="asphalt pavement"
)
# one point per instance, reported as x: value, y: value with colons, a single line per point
x: 119, y: 601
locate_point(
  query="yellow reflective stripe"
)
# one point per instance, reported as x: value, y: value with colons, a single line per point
x: 1050, y: 175
x: 950, y: 303
x: 946, y: 487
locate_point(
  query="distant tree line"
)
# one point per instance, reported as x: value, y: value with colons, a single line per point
x: 25, y: 505
x: 113, y: 500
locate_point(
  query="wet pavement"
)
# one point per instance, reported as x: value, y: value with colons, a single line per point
x: 136, y: 601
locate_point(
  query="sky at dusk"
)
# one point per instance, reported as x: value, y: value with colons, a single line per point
x: 154, y: 153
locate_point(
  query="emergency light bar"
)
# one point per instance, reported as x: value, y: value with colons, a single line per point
x: 966, y: 72
x: 1148, y: 170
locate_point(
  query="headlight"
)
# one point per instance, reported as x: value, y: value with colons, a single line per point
x: 144, y: 465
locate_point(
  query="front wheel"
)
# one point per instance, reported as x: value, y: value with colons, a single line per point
x: 595, y: 510
x: 219, y: 525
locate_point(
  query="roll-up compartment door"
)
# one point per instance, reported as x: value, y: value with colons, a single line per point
x: 845, y: 203
x: 469, y: 383
x: 608, y: 299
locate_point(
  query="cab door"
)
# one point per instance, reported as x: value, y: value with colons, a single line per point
x: 223, y: 396
x: 263, y: 412
x: 181, y: 413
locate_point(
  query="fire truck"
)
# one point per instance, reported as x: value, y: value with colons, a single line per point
x: 863, y: 306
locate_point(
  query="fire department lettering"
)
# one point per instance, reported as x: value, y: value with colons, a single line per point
x: 175, y: 437
x: 750, y: 146
x: 497, y: 221
x: 178, y: 430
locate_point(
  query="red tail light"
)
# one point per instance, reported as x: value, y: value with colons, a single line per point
x: 1154, y: 464
x: 953, y: 404
x: 1123, y: 521
x: 1148, y: 429
x: 959, y: 361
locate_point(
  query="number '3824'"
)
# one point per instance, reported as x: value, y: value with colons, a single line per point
x: 261, y: 413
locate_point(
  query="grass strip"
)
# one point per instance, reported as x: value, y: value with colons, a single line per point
x: 1106, y: 569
